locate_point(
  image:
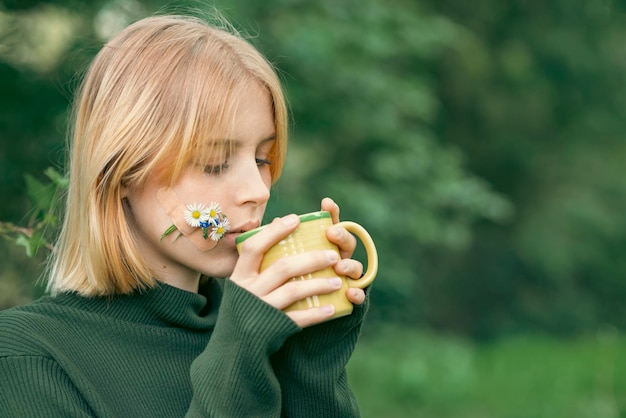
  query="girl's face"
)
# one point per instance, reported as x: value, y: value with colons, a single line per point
x: 238, y: 178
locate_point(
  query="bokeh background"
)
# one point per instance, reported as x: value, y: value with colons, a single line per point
x: 481, y: 143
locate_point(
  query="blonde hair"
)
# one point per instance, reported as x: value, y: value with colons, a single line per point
x: 150, y: 98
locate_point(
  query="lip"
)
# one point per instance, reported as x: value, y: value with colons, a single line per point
x: 229, y: 238
x: 244, y: 227
x: 231, y: 235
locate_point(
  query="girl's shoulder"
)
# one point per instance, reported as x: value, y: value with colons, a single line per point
x: 24, y: 329
x: 44, y: 306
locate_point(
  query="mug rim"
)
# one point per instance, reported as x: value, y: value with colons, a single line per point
x: 306, y: 217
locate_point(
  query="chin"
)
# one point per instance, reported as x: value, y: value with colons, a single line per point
x: 224, y: 269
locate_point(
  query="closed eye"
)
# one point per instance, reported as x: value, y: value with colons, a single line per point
x: 216, y: 169
x: 262, y: 161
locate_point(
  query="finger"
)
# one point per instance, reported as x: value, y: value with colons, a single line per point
x: 355, y: 295
x: 343, y: 239
x: 329, y: 205
x: 297, y: 265
x: 254, y: 248
x: 307, y: 317
x: 296, y: 290
x: 350, y: 268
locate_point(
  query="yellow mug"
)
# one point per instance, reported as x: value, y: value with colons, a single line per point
x: 311, y: 235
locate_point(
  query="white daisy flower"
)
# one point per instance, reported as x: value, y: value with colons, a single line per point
x: 214, y: 213
x: 211, y: 220
x: 220, y: 230
x: 195, y: 214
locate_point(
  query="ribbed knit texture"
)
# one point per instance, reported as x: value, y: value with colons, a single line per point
x: 167, y: 353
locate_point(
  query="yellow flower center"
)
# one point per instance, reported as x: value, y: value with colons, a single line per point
x: 213, y: 214
x: 195, y: 214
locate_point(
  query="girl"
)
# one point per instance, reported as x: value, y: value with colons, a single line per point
x: 180, y: 131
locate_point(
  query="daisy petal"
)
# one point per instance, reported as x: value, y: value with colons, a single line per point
x: 194, y: 214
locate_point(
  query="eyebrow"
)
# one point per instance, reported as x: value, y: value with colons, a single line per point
x: 235, y: 143
x: 272, y: 137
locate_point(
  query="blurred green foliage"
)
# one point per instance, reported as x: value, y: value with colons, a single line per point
x: 399, y: 373
x: 44, y: 217
x: 479, y: 142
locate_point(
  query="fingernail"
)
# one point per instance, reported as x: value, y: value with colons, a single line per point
x: 290, y: 220
x: 332, y: 256
x: 336, y: 282
x: 336, y: 232
x: 344, y: 265
x: 329, y: 309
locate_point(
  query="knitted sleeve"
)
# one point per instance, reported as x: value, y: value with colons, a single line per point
x: 311, y: 368
x: 233, y: 377
x: 36, y: 386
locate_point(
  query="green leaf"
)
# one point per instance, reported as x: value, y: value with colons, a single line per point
x: 41, y: 195
x: 168, y: 231
x: 58, y: 179
x: 30, y: 244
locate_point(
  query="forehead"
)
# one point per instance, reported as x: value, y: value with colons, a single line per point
x: 253, y: 110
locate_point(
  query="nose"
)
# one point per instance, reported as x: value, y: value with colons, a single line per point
x: 253, y: 185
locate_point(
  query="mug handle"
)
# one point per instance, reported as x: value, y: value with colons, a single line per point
x: 370, y: 249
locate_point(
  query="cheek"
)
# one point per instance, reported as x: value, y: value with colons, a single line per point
x: 152, y: 219
x: 266, y: 175
x: 200, y: 188
x: 142, y: 211
x: 192, y: 184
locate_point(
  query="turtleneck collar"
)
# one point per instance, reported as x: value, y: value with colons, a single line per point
x: 162, y: 305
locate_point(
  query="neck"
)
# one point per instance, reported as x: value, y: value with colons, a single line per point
x: 190, y: 284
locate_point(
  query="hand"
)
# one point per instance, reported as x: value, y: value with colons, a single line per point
x: 274, y: 285
x: 347, y: 244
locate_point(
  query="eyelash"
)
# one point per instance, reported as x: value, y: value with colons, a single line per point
x: 216, y: 169
x: 219, y: 169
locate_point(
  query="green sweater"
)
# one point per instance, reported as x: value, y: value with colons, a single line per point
x: 166, y: 352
